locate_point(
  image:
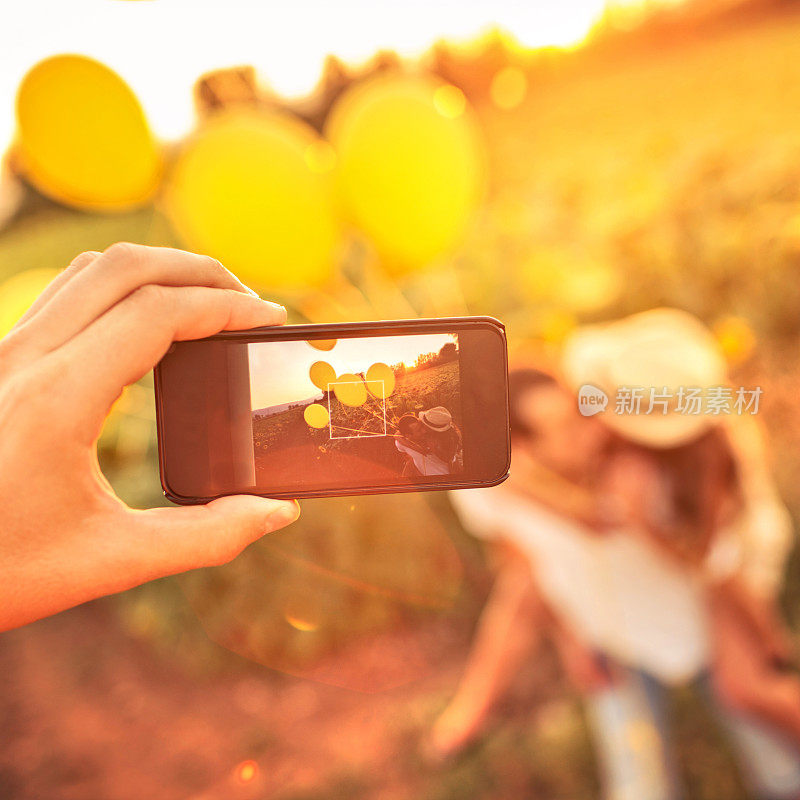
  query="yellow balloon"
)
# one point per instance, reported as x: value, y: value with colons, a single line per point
x: 83, y: 137
x: 411, y: 165
x: 316, y: 415
x: 321, y: 374
x: 18, y: 293
x: 380, y: 380
x: 242, y: 191
x: 323, y: 344
x: 350, y: 390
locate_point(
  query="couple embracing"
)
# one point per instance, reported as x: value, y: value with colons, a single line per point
x: 430, y: 442
x: 649, y: 549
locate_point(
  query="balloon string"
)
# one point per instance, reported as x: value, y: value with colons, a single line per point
x: 357, y: 430
x: 383, y: 419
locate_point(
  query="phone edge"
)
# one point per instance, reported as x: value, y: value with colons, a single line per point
x: 342, y: 326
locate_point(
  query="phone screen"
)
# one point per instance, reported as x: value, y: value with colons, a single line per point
x: 342, y: 409
x: 367, y: 409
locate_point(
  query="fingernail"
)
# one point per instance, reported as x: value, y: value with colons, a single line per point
x: 286, y: 514
x: 252, y: 292
x: 275, y: 306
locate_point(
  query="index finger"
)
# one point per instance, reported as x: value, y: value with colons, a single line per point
x: 78, y: 263
x: 128, y: 340
x: 109, y: 278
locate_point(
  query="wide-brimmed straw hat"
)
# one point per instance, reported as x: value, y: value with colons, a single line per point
x: 437, y: 419
x: 665, y: 350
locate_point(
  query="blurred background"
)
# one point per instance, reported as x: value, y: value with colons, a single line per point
x: 547, y: 164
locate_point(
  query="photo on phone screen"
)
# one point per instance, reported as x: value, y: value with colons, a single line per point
x: 370, y: 408
x: 323, y: 410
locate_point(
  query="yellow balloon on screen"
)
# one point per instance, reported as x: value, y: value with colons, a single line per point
x: 321, y: 374
x: 316, y: 415
x: 380, y: 380
x: 18, y: 293
x: 323, y: 344
x: 242, y: 191
x: 350, y: 390
x: 83, y: 137
x: 411, y: 165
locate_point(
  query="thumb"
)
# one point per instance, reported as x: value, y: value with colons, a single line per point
x: 184, y: 538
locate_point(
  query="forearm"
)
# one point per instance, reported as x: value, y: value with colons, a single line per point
x: 760, y: 615
x: 508, y: 631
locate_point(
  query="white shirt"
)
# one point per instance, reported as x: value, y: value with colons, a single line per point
x: 426, y: 464
x: 620, y: 593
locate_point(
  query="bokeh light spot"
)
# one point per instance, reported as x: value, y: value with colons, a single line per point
x: 246, y: 772
x: 508, y: 88
x: 556, y: 325
x: 735, y: 338
x: 300, y: 623
x: 18, y: 293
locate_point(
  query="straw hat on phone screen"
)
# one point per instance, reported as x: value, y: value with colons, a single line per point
x: 437, y: 419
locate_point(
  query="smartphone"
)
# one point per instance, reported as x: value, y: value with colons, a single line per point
x: 346, y: 409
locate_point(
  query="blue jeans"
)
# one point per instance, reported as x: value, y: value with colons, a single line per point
x: 630, y: 726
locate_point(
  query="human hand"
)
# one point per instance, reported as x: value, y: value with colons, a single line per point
x: 102, y: 324
x: 749, y: 660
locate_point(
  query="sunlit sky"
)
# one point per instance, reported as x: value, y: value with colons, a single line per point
x: 292, y: 360
x: 161, y: 46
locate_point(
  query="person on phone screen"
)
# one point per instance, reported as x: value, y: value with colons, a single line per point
x: 103, y: 323
x: 442, y: 435
x: 417, y: 442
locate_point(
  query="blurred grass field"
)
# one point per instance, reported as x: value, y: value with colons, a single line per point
x: 661, y: 175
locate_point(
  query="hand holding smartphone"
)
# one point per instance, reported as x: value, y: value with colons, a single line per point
x: 323, y: 410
